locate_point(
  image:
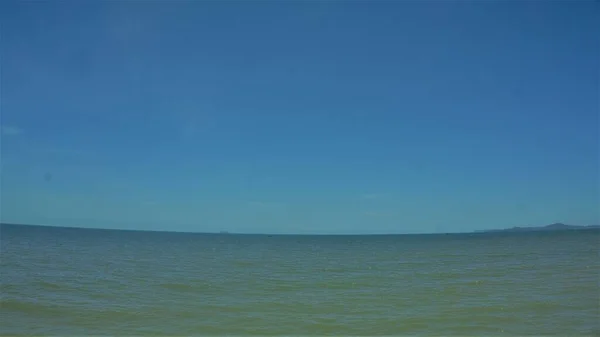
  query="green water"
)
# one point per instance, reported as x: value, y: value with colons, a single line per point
x: 58, y: 281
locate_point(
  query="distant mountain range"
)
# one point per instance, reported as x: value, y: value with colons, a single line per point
x: 548, y: 228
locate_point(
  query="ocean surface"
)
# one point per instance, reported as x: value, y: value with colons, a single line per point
x: 67, y: 282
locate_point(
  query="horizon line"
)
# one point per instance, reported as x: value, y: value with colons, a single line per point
x: 225, y: 232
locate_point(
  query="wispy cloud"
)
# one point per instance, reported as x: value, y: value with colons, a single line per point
x: 64, y: 152
x: 150, y: 203
x: 10, y: 130
x: 266, y: 206
x: 194, y: 123
x: 189, y: 130
x: 377, y: 214
x: 373, y: 195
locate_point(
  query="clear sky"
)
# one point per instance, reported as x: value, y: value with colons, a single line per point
x: 300, y: 117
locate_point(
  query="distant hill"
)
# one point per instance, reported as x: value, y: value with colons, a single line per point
x: 548, y: 228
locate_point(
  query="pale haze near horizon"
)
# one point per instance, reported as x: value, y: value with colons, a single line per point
x: 300, y: 117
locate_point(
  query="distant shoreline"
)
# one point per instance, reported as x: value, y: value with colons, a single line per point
x: 549, y: 228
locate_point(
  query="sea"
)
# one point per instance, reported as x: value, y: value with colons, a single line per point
x: 75, y: 282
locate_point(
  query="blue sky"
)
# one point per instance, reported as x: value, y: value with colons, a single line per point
x: 300, y: 117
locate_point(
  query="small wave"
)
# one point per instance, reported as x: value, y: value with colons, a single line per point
x: 344, y: 285
x: 178, y: 287
x: 192, y: 287
x: 34, y: 309
x: 241, y: 263
x: 50, y: 285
